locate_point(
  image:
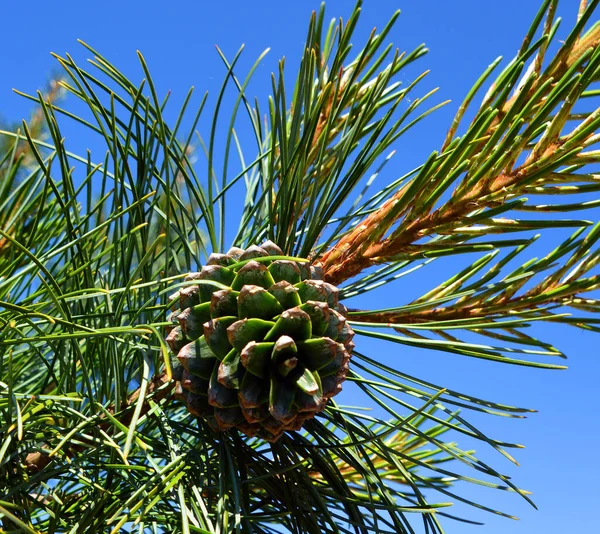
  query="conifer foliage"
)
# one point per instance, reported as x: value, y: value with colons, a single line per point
x: 169, y: 354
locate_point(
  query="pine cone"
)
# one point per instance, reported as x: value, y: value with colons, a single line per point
x: 263, y: 343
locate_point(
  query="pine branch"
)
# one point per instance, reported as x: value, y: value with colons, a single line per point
x: 85, y: 291
x: 484, y: 159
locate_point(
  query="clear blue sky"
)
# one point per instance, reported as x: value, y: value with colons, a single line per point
x: 464, y: 36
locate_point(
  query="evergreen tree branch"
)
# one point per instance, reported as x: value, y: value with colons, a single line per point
x: 530, y: 124
x: 85, y: 290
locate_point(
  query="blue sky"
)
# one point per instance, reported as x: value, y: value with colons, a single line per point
x: 464, y: 36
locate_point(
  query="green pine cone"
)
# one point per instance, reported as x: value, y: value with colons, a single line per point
x: 262, y: 344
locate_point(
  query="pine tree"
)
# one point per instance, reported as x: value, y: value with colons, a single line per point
x: 114, y: 419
